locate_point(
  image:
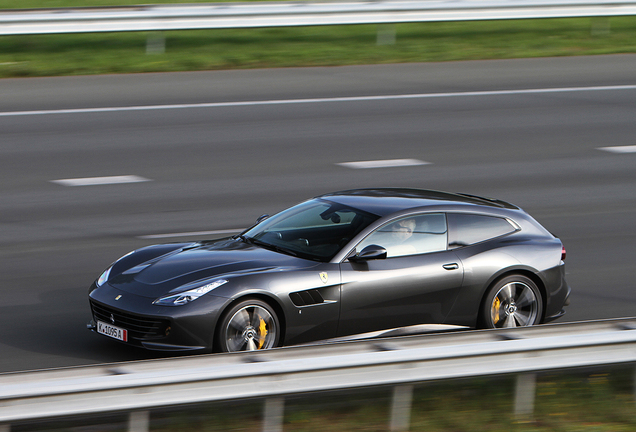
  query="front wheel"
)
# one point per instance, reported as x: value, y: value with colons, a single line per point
x: 248, y: 326
x: 514, y: 301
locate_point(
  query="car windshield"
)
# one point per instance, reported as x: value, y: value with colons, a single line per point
x: 315, y: 229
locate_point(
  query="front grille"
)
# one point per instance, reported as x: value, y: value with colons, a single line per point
x: 139, y: 327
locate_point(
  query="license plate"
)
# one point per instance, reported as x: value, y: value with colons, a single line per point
x: 112, y: 331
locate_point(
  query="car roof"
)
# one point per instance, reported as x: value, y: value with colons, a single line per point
x: 384, y: 201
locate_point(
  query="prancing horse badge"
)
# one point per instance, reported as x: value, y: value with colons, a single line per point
x: 324, y: 277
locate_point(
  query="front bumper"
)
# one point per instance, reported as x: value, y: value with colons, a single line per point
x: 166, y: 328
x: 158, y: 346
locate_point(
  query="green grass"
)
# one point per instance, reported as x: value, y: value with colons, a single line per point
x: 106, y: 53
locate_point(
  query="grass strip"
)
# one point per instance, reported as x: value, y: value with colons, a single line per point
x: 107, y: 53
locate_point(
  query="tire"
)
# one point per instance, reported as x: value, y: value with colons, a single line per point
x: 514, y: 301
x: 248, y: 326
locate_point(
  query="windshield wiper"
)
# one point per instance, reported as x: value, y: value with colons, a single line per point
x: 252, y: 240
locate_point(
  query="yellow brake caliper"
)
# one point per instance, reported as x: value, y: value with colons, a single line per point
x: 262, y: 332
x: 495, y: 310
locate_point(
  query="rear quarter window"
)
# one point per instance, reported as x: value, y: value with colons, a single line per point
x: 467, y: 229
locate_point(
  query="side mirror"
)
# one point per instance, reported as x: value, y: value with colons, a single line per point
x: 261, y: 218
x: 371, y: 252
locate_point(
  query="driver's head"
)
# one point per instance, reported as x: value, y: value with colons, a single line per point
x: 403, y: 229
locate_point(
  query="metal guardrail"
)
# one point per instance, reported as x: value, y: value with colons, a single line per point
x: 280, y: 14
x: 399, y: 362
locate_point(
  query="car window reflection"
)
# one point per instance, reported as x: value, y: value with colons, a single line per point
x: 315, y: 229
x: 411, y: 235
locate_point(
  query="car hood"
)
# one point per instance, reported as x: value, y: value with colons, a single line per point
x: 168, y: 273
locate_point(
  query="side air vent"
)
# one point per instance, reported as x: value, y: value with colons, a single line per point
x: 306, y: 298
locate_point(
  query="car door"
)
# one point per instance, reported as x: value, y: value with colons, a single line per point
x: 417, y: 282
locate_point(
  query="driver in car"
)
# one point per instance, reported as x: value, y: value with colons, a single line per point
x: 401, y: 232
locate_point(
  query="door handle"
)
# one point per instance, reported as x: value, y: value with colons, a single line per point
x: 451, y: 266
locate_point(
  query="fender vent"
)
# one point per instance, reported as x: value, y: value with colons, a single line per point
x: 306, y: 298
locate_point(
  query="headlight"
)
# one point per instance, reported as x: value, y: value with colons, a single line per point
x: 104, y: 277
x: 189, y: 295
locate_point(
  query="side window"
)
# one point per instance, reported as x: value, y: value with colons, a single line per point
x: 467, y: 229
x: 410, y: 236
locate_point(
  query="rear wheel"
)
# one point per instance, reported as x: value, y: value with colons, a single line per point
x: 514, y: 301
x: 248, y: 326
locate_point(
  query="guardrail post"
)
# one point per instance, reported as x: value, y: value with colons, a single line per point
x: 386, y: 34
x: 156, y: 43
x: 273, y: 411
x: 524, y: 394
x: 635, y: 384
x: 600, y: 26
x: 401, y: 408
x: 138, y: 421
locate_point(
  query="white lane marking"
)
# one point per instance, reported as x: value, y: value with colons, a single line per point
x: 94, y: 181
x: 619, y: 149
x: 190, y: 234
x: 387, y: 163
x: 317, y: 100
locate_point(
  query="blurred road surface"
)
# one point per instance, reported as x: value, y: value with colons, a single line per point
x: 221, y: 148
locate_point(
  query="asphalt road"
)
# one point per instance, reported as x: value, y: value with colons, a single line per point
x: 221, y: 148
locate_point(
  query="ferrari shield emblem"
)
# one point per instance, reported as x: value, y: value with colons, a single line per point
x: 324, y: 277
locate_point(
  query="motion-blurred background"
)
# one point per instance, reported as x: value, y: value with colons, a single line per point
x: 541, y: 113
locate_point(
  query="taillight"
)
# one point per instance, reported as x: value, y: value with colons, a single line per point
x: 563, y: 253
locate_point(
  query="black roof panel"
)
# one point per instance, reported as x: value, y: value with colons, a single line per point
x: 383, y: 201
